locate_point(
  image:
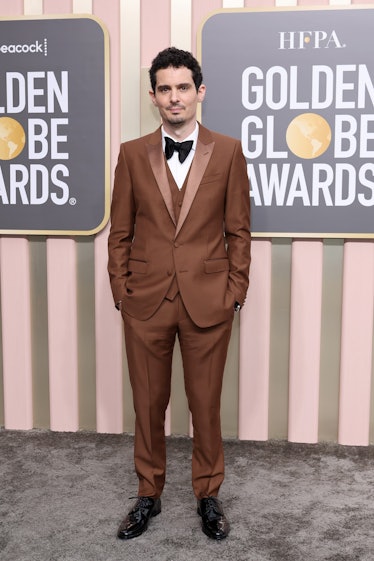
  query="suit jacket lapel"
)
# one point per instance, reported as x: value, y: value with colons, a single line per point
x: 156, y: 158
x: 204, y: 149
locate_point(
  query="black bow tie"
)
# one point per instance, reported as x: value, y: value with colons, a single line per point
x: 183, y: 148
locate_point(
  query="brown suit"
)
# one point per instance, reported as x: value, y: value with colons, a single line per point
x: 207, y: 252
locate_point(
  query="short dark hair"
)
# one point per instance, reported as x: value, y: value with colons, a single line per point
x: 175, y: 58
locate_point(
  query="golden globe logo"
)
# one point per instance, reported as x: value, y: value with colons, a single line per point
x: 12, y: 138
x: 308, y: 135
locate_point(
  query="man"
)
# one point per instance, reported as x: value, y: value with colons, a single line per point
x: 179, y: 254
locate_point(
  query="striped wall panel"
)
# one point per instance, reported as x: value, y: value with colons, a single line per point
x: 300, y: 359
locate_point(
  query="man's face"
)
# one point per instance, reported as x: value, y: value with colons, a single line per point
x: 176, y: 97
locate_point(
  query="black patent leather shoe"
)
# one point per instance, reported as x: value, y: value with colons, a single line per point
x: 214, y: 523
x: 137, y: 520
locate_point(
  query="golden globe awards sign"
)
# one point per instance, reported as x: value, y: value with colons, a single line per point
x: 297, y: 87
x: 53, y: 126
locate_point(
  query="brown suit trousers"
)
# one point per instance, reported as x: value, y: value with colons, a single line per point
x: 149, y: 347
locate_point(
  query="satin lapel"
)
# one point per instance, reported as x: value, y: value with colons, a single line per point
x: 198, y: 167
x: 156, y: 158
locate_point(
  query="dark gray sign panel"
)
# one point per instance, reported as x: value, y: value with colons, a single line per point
x: 54, y: 141
x: 297, y: 87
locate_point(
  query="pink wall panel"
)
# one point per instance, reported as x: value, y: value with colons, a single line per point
x: 62, y: 334
x: 57, y: 6
x: 305, y: 338
x: 200, y: 12
x: 155, y: 36
x: 15, y: 308
x: 14, y: 8
x: 255, y: 347
x: 357, y: 343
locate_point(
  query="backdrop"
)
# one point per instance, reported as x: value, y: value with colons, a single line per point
x: 300, y: 358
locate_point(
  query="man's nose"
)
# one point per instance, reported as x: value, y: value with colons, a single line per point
x: 174, y: 95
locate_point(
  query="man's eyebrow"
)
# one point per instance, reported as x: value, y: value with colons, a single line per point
x: 183, y: 84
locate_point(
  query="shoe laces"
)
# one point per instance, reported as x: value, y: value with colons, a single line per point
x: 142, y: 505
x: 212, y: 509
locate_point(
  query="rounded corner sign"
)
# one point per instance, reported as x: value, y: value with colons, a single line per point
x: 53, y: 126
x: 297, y: 87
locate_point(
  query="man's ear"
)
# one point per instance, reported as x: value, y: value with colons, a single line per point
x: 153, y: 97
x: 201, y: 92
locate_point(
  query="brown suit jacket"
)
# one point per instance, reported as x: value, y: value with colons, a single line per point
x: 208, y: 248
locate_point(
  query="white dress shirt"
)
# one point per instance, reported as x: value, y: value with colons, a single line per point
x: 178, y: 169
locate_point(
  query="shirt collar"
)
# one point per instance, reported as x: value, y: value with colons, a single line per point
x: 193, y: 136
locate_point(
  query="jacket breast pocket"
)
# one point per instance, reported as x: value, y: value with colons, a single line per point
x: 216, y: 265
x: 212, y: 178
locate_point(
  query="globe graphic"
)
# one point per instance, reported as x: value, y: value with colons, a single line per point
x: 308, y: 135
x: 12, y: 138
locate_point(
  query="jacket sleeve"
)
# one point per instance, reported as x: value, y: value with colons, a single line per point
x: 237, y: 225
x: 122, y: 226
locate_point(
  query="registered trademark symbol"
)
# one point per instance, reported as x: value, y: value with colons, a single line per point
x: 72, y: 201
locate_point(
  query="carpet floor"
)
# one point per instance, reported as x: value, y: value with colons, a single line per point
x: 63, y: 495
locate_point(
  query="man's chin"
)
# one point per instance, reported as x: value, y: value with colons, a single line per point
x: 176, y: 121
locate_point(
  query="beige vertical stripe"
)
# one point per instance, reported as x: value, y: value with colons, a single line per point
x: 33, y: 7
x: 39, y: 331
x: 108, y: 324
x: 330, y: 340
x: 180, y: 24
x: 86, y: 333
x: 130, y: 69
x: 130, y: 107
x: 82, y: 6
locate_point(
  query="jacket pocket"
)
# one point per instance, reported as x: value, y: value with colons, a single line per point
x: 217, y: 265
x: 135, y: 266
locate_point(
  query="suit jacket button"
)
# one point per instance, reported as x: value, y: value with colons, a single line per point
x: 169, y: 273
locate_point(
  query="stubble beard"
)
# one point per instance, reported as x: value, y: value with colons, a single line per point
x: 176, y: 121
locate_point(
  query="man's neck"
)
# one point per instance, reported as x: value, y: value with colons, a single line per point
x: 179, y: 132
